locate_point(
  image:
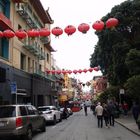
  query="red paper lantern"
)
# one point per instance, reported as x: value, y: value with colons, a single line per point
x: 75, y: 71
x: 53, y: 71
x: 69, y: 30
x: 112, y: 22
x: 69, y: 71
x: 90, y: 69
x: 83, y: 28
x: 44, y: 32
x: 57, y: 31
x: 80, y: 71
x: 58, y: 71
x: 1, y: 34
x: 85, y: 70
x: 64, y: 72
x: 8, y: 33
x: 96, y: 68
x: 33, y: 33
x: 21, y: 34
x: 98, y: 25
x: 48, y: 71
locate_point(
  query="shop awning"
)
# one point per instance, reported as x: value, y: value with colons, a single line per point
x: 5, y: 23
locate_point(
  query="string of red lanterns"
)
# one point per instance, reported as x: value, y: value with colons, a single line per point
x: 72, y: 71
x: 57, y: 31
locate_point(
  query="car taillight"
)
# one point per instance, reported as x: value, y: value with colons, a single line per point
x: 18, y: 122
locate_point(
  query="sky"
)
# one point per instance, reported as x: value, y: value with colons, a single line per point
x: 73, y: 52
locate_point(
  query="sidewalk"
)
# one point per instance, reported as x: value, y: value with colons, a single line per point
x: 129, y: 123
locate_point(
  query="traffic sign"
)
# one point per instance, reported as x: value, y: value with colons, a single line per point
x: 13, y: 86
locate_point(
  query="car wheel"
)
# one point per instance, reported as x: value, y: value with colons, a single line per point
x: 60, y: 118
x: 54, y: 120
x: 28, y: 135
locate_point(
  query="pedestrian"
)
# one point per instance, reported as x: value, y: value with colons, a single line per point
x: 106, y: 115
x: 111, y: 108
x: 65, y: 113
x: 93, y: 108
x: 85, y: 109
x: 99, y: 114
x: 135, y: 111
x: 125, y: 108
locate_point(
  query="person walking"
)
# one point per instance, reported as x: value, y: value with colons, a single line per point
x: 85, y: 109
x: 125, y: 108
x: 135, y: 111
x: 106, y: 115
x: 111, y: 108
x: 99, y: 114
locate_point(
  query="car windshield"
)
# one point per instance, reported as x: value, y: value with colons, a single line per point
x: 7, y: 111
x: 44, y: 109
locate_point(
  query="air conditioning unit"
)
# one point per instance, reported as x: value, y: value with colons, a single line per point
x: 19, y: 6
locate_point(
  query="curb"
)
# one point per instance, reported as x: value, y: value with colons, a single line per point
x: 127, y: 128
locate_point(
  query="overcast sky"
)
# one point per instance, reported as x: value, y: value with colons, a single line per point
x: 73, y: 52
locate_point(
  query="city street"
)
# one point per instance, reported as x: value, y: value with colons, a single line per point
x: 81, y: 127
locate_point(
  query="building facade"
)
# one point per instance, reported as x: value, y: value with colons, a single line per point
x: 23, y: 61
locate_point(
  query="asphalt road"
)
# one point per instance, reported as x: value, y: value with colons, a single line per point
x: 81, y: 127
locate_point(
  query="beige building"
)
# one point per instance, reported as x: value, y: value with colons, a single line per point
x: 24, y: 61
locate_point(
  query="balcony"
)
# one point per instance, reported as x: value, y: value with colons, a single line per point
x: 32, y: 47
x: 45, y: 40
x: 42, y: 55
x: 25, y: 12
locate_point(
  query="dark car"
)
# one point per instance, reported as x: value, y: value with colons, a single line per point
x: 20, y: 120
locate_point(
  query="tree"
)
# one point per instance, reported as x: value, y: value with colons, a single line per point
x: 112, y: 51
x: 132, y: 87
x: 133, y: 62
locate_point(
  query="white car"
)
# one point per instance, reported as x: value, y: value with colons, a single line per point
x: 51, y: 113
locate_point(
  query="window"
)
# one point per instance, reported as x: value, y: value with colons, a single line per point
x: 7, y: 111
x: 30, y: 110
x: 2, y: 6
x: 2, y: 74
x: 4, y: 48
x: 23, y: 61
x: 5, y: 7
x: 23, y: 111
x: 36, y: 67
x: 39, y: 67
x: 19, y: 27
x: 48, y: 58
x: 33, y: 66
x: 29, y: 64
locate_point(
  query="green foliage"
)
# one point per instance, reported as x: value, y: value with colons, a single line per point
x: 110, y: 93
x: 113, y: 51
x: 132, y: 87
x: 133, y: 61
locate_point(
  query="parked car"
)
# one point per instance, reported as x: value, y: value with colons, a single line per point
x: 50, y: 113
x: 20, y: 121
x: 66, y: 114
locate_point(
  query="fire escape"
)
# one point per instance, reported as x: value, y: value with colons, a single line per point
x: 25, y: 11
